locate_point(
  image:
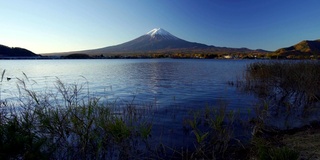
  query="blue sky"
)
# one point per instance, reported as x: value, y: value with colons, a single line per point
x: 68, y: 25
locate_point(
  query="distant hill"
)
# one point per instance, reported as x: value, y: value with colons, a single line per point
x: 160, y: 41
x: 6, y: 51
x: 303, y: 48
x: 77, y: 56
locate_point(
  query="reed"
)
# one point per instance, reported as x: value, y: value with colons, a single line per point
x: 69, y: 123
x: 42, y: 126
x: 213, y: 129
x: 288, y: 90
x: 2, y: 76
x: 285, y: 83
x: 289, y: 94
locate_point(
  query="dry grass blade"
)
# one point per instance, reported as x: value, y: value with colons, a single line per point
x: 2, y: 75
x: 25, y: 75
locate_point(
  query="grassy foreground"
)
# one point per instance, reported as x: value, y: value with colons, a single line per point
x: 289, y: 92
x: 71, y: 124
x: 288, y: 115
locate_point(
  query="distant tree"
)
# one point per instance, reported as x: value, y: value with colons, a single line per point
x: 77, y: 56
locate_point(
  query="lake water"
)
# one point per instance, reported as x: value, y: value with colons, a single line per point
x: 172, y: 86
x: 160, y: 82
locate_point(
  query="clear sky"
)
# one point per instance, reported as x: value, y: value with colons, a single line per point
x: 46, y: 26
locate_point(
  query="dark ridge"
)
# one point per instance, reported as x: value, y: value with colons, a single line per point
x: 6, y: 51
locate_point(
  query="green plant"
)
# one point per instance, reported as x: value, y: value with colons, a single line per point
x: 283, y: 153
x: 277, y: 153
x: 145, y: 130
x: 119, y: 130
x: 213, y: 131
x: 18, y: 140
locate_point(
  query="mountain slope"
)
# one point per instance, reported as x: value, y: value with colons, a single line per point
x: 302, y: 48
x: 6, y: 51
x: 155, y: 40
x: 159, y: 40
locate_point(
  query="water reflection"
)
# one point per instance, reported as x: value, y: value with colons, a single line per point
x: 162, y: 82
x: 173, y: 87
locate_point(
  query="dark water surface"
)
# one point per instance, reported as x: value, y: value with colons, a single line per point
x: 160, y: 82
x: 172, y: 86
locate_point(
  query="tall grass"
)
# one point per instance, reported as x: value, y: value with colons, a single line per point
x: 290, y: 98
x: 213, y: 129
x: 295, y: 84
x: 42, y: 126
x: 69, y: 123
x: 2, y: 76
x: 287, y: 89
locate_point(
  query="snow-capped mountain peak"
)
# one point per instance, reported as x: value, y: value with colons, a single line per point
x: 161, y: 33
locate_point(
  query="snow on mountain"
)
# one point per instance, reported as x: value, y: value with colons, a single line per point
x: 161, y: 33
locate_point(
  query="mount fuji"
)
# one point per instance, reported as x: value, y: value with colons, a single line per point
x: 157, y: 40
x: 154, y: 40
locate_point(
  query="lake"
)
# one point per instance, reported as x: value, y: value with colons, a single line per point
x: 160, y: 82
x: 172, y: 86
